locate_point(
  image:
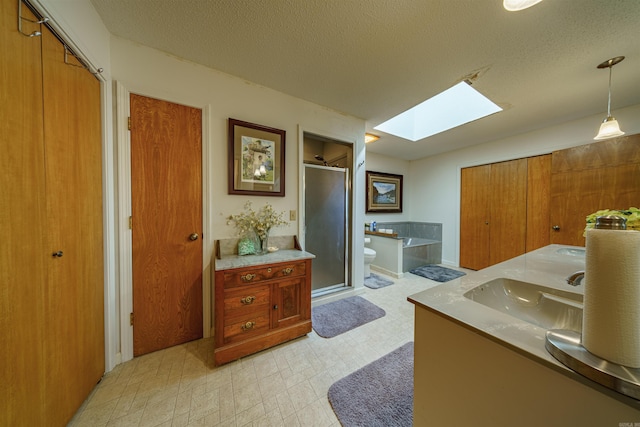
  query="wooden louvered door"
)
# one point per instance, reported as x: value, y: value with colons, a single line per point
x: 166, y: 192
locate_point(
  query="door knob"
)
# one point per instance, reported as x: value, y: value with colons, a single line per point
x: 194, y: 236
x: 57, y: 254
x: 556, y: 228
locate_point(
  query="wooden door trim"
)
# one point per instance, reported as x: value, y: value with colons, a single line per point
x: 125, y: 247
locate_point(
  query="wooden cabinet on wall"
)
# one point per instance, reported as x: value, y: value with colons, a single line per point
x: 51, y: 254
x: 588, y: 178
x: 261, y: 305
x: 503, y: 212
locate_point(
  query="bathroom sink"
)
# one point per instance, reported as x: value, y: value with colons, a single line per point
x: 571, y: 251
x: 545, y: 307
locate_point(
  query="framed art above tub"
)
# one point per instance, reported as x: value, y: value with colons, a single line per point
x: 384, y: 192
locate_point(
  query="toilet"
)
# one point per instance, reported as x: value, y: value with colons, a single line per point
x: 369, y: 256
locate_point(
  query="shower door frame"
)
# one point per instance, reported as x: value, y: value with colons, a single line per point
x: 347, y: 236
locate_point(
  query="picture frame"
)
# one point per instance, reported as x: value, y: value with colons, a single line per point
x: 384, y: 192
x: 256, y: 156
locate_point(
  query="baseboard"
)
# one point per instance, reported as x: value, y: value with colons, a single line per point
x: 387, y: 272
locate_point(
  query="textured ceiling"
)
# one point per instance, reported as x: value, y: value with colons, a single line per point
x: 375, y: 58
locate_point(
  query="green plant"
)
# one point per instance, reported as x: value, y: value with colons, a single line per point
x: 260, y: 221
x: 632, y: 215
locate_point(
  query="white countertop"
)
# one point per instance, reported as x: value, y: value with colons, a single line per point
x: 283, y: 255
x: 543, y: 266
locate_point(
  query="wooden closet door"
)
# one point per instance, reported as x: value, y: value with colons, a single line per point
x: 588, y: 178
x: 508, y: 222
x: 538, y: 201
x: 475, y: 197
x: 23, y: 253
x: 74, y: 293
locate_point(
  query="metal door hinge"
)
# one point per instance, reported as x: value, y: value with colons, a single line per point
x: 130, y: 223
x: 129, y: 123
x: 131, y: 319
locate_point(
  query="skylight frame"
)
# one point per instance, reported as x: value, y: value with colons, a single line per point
x: 456, y: 106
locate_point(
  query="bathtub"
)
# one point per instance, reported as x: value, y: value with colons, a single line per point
x: 417, y: 251
x: 409, y: 242
x: 397, y: 255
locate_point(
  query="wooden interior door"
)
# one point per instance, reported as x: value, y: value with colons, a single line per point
x: 508, y: 224
x: 588, y: 178
x: 74, y: 292
x: 23, y: 254
x: 475, y: 196
x: 166, y: 193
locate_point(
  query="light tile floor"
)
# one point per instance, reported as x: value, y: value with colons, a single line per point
x: 283, y: 386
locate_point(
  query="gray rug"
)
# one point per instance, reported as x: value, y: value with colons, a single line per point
x: 378, y: 394
x: 376, y: 282
x: 437, y: 273
x: 335, y: 318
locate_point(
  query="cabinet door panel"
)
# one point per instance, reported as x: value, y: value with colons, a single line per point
x: 474, y: 217
x: 288, y: 299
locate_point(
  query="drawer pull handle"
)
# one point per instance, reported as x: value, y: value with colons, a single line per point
x: 247, y: 300
x: 248, y: 326
x: 287, y: 271
x: 248, y: 277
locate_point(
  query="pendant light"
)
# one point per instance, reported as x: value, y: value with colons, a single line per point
x: 516, y: 5
x: 609, y: 127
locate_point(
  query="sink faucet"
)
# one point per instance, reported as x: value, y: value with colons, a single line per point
x: 576, y: 278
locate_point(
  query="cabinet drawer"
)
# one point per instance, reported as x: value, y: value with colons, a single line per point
x: 247, y: 276
x: 240, y: 328
x: 246, y: 300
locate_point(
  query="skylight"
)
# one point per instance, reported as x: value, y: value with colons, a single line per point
x: 454, y: 107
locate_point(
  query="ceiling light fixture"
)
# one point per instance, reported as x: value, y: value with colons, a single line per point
x: 516, y: 5
x: 369, y: 137
x: 609, y: 127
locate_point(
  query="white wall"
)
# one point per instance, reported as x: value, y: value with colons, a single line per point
x: 151, y: 73
x: 432, y: 189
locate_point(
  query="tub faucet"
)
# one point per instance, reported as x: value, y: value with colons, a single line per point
x: 576, y: 278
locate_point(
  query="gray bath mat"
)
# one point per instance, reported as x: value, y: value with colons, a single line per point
x: 378, y: 394
x: 437, y: 273
x: 376, y: 282
x: 338, y: 317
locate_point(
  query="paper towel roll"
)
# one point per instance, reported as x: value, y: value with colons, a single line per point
x: 611, y: 315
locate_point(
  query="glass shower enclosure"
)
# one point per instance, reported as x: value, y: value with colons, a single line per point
x: 326, y: 226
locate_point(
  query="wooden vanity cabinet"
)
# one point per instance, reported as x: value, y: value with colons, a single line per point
x: 260, y: 306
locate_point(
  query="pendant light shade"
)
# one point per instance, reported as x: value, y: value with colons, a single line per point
x: 516, y: 5
x: 609, y: 127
